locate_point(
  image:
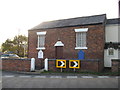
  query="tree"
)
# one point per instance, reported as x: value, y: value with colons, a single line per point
x: 18, y: 45
x: 7, y: 46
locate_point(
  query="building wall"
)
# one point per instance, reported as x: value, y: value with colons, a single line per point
x: 108, y: 58
x: 0, y: 64
x: 95, y: 42
x: 119, y: 33
x: 111, y: 33
x: 119, y: 40
x: 119, y: 54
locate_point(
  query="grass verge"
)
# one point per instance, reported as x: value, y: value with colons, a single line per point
x: 85, y: 72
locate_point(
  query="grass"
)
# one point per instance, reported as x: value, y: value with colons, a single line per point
x: 86, y: 73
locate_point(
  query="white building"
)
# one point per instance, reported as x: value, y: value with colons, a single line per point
x: 112, y: 39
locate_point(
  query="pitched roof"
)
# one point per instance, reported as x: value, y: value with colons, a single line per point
x: 113, y: 21
x: 88, y: 20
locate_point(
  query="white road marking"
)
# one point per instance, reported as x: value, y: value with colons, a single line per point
x: 55, y: 76
x: 86, y: 76
x: 8, y: 76
x: 39, y: 76
x: 103, y: 76
x: 0, y: 81
x: 72, y: 77
x: 24, y: 76
x: 117, y: 77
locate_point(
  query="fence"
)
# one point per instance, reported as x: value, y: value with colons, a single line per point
x: 91, y: 65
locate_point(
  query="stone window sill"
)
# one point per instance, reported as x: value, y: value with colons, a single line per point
x: 81, y: 48
x: 41, y: 48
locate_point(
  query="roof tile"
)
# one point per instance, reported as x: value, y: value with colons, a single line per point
x: 88, y: 20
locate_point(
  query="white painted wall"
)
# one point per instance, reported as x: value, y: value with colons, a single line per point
x: 119, y: 33
x: 119, y: 40
x: 107, y: 58
x: 119, y: 53
x: 111, y: 33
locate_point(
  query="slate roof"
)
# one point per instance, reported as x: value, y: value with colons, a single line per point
x: 88, y: 20
x: 113, y: 21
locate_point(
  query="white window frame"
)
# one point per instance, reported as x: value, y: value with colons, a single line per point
x: 81, y: 30
x: 38, y: 34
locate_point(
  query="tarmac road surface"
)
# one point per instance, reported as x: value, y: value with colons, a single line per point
x: 59, y: 81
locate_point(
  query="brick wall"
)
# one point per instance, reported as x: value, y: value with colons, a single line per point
x: 115, y: 65
x: 16, y: 64
x: 95, y: 42
x: 0, y: 64
x: 85, y: 65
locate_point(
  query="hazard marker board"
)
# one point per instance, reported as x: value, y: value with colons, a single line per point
x: 61, y: 63
x: 74, y: 63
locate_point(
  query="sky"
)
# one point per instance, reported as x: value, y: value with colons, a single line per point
x: 18, y: 16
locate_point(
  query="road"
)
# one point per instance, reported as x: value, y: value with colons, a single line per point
x: 10, y: 80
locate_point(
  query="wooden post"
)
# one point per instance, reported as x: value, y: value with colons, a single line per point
x: 61, y: 69
x: 74, y: 70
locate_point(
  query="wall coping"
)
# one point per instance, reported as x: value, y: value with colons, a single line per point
x: 93, y: 60
x: 16, y: 59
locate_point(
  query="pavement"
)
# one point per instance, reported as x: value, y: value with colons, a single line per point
x: 36, y: 72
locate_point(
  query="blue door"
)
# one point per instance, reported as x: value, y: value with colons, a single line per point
x: 81, y: 54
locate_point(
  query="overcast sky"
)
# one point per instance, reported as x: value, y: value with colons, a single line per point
x: 17, y: 16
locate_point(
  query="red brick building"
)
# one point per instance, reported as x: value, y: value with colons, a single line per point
x: 82, y: 33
